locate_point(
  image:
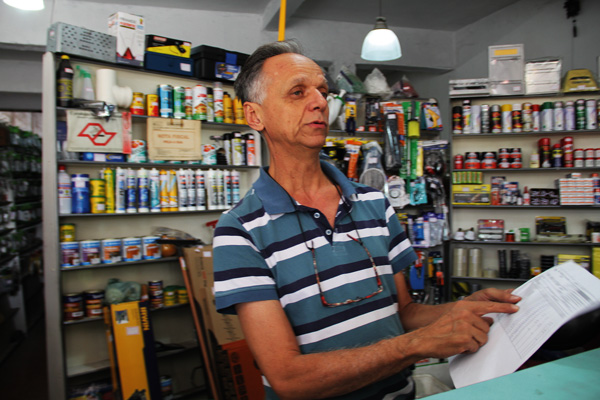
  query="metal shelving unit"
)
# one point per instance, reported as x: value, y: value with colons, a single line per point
x: 65, y: 340
x: 517, y: 216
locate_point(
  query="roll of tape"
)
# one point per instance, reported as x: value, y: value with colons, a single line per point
x: 460, y: 262
x: 475, y: 269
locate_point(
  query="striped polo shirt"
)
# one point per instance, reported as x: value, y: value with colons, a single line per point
x: 262, y: 252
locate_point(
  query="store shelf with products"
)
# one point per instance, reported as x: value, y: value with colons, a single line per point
x: 525, y: 144
x: 78, y: 347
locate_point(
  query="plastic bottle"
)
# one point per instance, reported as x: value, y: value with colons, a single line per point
x: 526, y: 197
x: 87, y: 88
x: 182, y: 190
x: 64, y: 83
x: 154, y: 190
x: 64, y: 191
x: 200, y: 190
x: 143, y: 190
x: 335, y: 105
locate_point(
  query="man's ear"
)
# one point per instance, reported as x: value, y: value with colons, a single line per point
x: 253, y: 113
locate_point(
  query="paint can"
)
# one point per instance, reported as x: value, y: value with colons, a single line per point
x: 111, y: 251
x: 73, y: 307
x: 165, y: 101
x: 152, y: 105
x: 137, y: 104
x: 93, y: 303
x: 67, y: 232
x: 179, y: 102
x: 151, y: 249
x: 70, y: 256
x: 132, y: 249
x: 90, y: 252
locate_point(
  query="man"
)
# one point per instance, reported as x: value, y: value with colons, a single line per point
x: 312, y: 262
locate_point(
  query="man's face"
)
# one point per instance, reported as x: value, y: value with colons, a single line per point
x: 294, y: 111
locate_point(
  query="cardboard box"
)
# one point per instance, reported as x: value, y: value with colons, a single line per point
x: 168, y: 46
x: 134, y: 349
x: 129, y: 30
x: 471, y: 194
x: 506, y: 69
x: 238, y: 376
x: 166, y: 63
x: 543, y: 76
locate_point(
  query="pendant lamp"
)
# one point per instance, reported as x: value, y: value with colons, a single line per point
x: 381, y: 44
x: 28, y: 5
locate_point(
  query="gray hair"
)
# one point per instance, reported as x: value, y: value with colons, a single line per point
x: 249, y: 85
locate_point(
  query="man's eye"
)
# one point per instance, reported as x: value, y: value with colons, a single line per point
x: 297, y: 92
x: 324, y: 94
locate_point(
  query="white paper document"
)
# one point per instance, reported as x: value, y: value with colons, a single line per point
x: 548, y: 301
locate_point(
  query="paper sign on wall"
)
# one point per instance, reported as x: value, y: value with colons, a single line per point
x: 174, y: 139
x: 88, y: 133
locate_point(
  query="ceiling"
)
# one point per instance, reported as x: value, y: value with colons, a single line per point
x: 446, y: 15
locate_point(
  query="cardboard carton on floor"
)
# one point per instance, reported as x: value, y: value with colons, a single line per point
x: 234, y: 366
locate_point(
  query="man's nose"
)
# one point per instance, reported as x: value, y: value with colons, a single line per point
x: 317, y: 100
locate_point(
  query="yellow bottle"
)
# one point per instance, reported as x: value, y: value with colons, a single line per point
x: 238, y: 109
x: 227, y: 109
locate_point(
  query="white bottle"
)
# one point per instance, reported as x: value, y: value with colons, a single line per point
x: 200, y: 190
x: 191, y: 190
x: 154, y: 190
x: 64, y: 191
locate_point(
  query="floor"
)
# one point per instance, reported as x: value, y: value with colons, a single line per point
x: 23, y: 373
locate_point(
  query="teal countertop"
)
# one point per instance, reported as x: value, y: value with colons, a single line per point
x: 572, y: 378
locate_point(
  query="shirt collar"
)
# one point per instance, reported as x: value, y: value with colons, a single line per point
x: 276, y: 200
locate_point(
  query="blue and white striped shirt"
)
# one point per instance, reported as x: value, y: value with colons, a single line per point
x: 261, y: 253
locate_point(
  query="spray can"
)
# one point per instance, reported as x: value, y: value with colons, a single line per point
x: 165, y: 101
x: 182, y: 190
x: 179, y: 102
x: 220, y: 181
x: 218, y: 95
x: 227, y: 109
x: 536, y: 118
x: 527, y: 117
x: 143, y: 190
x: 120, y: 190
x: 466, y: 113
x: 227, y: 147
x: 569, y: 116
x: 591, y: 114
x: 228, y: 195
x: 154, y: 190
x: 131, y: 196
x: 199, y: 103
x: 64, y: 82
x: 235, y: 187
x: 237, y: 149
x: 517, y: 118
x: 163, y: 181
x: 496, y: 114
x: 475, y: 118
x: 210, y: 105
x: 109, y: 179
x: 559, y: 116
x: 200, y: 190
x: 547, y: 116
x: 172, y: 188
x: 580, y: 114
x: 211, y: 190
x: 485, y: 118
x: 189, y: 103
x: 506, y: 118
x: 191, y: 190
x: 250, y: 149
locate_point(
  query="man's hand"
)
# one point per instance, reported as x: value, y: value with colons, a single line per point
x: 463, y: 327
x: 492, y: 294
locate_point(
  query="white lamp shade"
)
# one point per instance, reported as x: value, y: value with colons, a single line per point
x: 29, y: 5
x: 381, y: 45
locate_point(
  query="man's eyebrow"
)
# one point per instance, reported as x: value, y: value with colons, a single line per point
x: 301, y: 80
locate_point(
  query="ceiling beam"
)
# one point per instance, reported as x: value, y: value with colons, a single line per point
x: 271, y: 13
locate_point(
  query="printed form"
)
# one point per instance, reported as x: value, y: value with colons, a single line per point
x: 548, y: 301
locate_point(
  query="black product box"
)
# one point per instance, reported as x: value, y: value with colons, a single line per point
x: 165, y: 63
x: 216, y: 63
x: 544, y: 197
